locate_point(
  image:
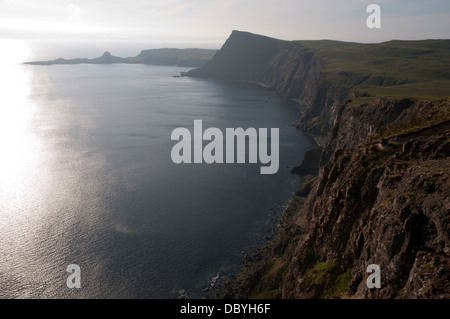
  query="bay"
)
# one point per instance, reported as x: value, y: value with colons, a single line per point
x: 87, y: 179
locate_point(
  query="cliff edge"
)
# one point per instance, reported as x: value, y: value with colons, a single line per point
x: 380, y: 194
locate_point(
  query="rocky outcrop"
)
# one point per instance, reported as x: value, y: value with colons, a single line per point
x: 310, y: 163
x: 288, y: 68
x: 384, y: 201
x: 382, y: 198
x: 381, y: 194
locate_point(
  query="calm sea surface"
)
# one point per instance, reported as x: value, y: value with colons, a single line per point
x: 86, y: 178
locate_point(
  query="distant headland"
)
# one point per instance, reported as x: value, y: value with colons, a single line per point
x: 164, y: 56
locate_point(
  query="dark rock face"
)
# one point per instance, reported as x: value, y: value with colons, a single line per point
x: 285, y: 67
x: 382, y: 198
x: 288, y: 68
x: 385, y: 204
x: 381, y: 195
x: 310, y: 163
x: 353, y: 123
x: 248, y: 55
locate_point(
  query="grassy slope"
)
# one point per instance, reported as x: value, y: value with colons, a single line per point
x: 398, y: 69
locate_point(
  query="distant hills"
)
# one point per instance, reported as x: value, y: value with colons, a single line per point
x: 165, y: 56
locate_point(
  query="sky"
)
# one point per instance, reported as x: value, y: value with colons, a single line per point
x: 211, y: 21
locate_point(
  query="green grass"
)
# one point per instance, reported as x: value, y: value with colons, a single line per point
x: 378, y: 157
x: 397, y: 69
x: 340, y: 285
x: 276, y: 266
x: 438, y: 114
x: 273, y: 271
x: 320, y: 123
x: 328, y: 275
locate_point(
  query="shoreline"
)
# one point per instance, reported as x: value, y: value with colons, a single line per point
x: 229, y: 284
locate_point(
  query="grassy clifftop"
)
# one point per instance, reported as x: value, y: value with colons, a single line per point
x: 296, y: 69
x: 324, y: 75
x: 397, y: 69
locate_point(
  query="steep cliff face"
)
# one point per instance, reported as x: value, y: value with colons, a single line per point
x: 323, y: 75
x: 384, y: 201
x: 249, y: 55
x: 353, y: 123
x: 288, y: 68
x: 381, y: 194
x: 381, y: 198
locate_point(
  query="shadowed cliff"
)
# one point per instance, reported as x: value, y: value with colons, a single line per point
x: 280, y: 65
x: 323, y: 74
x: 380, y: 194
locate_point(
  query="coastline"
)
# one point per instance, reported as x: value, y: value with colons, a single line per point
x: 267, y: 272
x: 252, y: 264
x: 229, y: 285
x: 365, y: 185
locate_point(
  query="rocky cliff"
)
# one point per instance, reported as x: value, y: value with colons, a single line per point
x: 381, y: 198
x: 381, y: 201
x: 288, y: 68
x: 380, y: 194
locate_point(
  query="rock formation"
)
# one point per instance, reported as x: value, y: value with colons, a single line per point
x: 381, y: 194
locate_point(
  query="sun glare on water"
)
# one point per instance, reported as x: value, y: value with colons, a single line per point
x: 19, y: 154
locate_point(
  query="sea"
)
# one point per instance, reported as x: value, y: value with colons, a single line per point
x: 87, y: 179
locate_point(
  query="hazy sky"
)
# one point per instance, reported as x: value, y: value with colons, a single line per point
x: 213, y: 20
